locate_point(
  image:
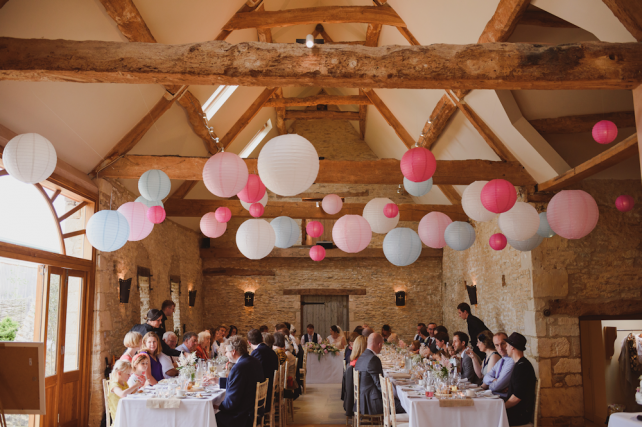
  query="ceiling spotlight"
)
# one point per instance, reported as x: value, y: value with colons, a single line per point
x: 309, y: 41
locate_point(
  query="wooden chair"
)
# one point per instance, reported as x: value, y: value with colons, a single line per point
x: 288, y: 403
x: 259, y: 400
x: 106, y: 393
x: 384, y: 399
x: 344, y: 365
x: 280, y: 406
x: 270, y: 416
x: 537, y: 386
x: 358, y: 418
x: 401, y: 420
x: 303, y: 370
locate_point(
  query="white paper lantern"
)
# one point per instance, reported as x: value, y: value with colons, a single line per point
x: 472, y: 205
x: 154, y: 185
x: 263, y: 201
x: 225, y: 174
x: 459, y: 235
x: 526, y: 245
x: 332, y: 204
x: 417, y: 189
x: 520, y: 222
x: 544, y: 229
x: 287, y: 231
x: 373, y: 213
x: 288, y: 165
x: 149, y: 203
x: 402, y: 246
x: 29, y: 158
x: 255, y: 238
x: 139, y: 225
x: 351, y: 233
x: 107, y: 230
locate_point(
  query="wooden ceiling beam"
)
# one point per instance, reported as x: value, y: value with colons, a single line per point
x: 249, y: 6
x: 437, y: 121
x: 280, y: 112
x: 503, y: 22
x: 390, y: 118
x: 182, y: 191
x: 326, y: 37
x: 198, y: 121
x: 304, y: 252
x: 321, y: 115
x: 363, y: 114
x: 318, y: 100
x: 247, y: 117
x: 582, y: 123
x: 129, y: 20
x: 264, y: 34
x: 541, y: 18
x: 629, y: 12
x: 319, y: 196
x: 3, y: 2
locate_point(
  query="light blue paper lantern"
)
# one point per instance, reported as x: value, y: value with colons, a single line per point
x: 150, y: 203
x: 287, y: 231
x: 402, y: 246
x: 459, y: 235
x: 154, y: 185
x: 544, y: 229
x: 526, y: 245
x: 107, y: 230
x: 417, y: 189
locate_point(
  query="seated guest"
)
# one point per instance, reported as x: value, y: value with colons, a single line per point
x: 336, y: 337
x: 237, y: 409
x: 118, y: 387
x: 498, y: 378
x: 353, y: 336
x: 347, y: 384
x: 424, y: 338
x: 417, y: 336
x: 291, y: 391
x: 263, y: 328
x: 289, y: 344
x: 388, y: 335
x: 190, y: 342
x: 360, y: 345
x: 140, y: 370
x: 485, y: 344
x: 154, y: 318
x: 521, y: 390
x: 133, y: 342
x: 203, y: 347
x: 233, y: 331
x: 467, y: 370
x: 293, y: 337
x: 219, y: 337
x: 358, y: 329
x: 414, y: 347
x: 367, y: 331
x: 441, y: 346
x: 430, y: 342
x: 171, y: 340
x: 268, y: 339
x: 151, y: 346
x: 311, y: 336
x: 268, y: 359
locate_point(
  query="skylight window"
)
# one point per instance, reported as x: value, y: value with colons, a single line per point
x: 256, y: 140
x: 218, y: 98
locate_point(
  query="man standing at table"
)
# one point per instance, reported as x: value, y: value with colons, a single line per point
x: 268, y: 358
x: 311, y: 336
x: 521, y: 391
x: 475, y: 327
x: 498, y: 378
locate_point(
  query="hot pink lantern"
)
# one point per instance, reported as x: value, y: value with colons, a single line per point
x: 156, y: 214
x: 223, y: 214
x: 497, y: 241
x: 432, y: 228
x: 418, y: 164
x: 498, y: 196
x: 332, y: 204
x: 256, y: 210
x: 225, y: 174
x: 391, y: 210
x: 314, y: 229
x: 604, y: 132
x: 139, y: 225
x: 624, y: 203
x: 253, y: 191
x: 317, y: 253
x: 352, y: 233
x: 572, y: 214
x: 211, y: 227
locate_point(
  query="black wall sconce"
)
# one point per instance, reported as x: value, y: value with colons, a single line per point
x: 124, y: 287
x: 400, y: 298
x: 249, y: 299
x: 472, y: 293
x: 192, y: 298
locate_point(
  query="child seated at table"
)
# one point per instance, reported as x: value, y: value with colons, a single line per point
x: 118, y: 385
x: 140, y: 365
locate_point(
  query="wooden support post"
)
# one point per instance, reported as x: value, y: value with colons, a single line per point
x: 637, y: 102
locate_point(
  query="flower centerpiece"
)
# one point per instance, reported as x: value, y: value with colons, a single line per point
x: 187, y: 365
x: 638, y: 394
x: 439, y: 371
x: 321, y: 349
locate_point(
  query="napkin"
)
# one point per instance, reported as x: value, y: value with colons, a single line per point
x: 398, y: 375
x: 163, y: 403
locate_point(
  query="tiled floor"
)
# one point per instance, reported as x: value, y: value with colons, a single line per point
x: 321, y: 404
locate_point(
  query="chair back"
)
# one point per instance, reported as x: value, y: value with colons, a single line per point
x: 344, y: 365
x: 537, y: 386
x: 391, y: 403
x: 305, y: 358
x: 282, y: 376
x: 259, y: 400
x: 106, y: 393
x: 357, y: 399
x: 384, y: 398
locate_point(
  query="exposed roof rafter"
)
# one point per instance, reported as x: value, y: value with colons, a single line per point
x: 582, y: 123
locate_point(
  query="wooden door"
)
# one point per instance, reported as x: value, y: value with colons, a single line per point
x: 53, y: 348
x: 336, y: 311
x: 324, y: 311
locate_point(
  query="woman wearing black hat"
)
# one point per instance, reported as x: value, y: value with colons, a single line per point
x: 154, y: 319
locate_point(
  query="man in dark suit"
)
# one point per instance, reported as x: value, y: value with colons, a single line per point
x: 268, y: 359
x: 475, y: 327
x: 369, y: 367
x: 237, y: 410
x: 460, y: 342
x: 311, y: 336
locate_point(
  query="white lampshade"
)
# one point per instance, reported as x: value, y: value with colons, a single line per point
x: 459, y: 235
x: 107, y: 230
x: 402, y: 246
x: 263, y: 201
x: 288, y: 165
x: 150, y: 203
x: 225, y: 174
x: 139, y: 225
x: 544, y: 229
x: 332, y: 204
x: 472, y: 205
x: 417, y: 189
x: 255, y: 238
x: 526, y: 245
x: 29, y: 158
x: 287, y: 231
x: 520, y: 222
x: 373, y: 213
x: 154, y: 185
x: 351, y: 233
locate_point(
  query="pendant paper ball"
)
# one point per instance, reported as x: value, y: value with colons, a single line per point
x: 29, y: 158
x: 211, y: 227
x: 314, y: 229
x: 432, y: 228
x: 402, y: 246
x: 572, y: 214
x: 107, y: 231
x: 498, y: 196
x: 255, y: 238
x: 263, y: 201
x: 154, y: 185
x: 286, y: 230
x: 139, y: 225
x: 253, y: 191
x: 373, y: 213
x: 418, y: 164
x: 417, y: 189
x: 223, y: 214
x: 544, y: 229
x: 288, y: 164
x: 459, y: 235
x: 624, y: 203
x: 256, y: 210
x: 155, y: 214
x: 526, y: 245
x: 317, y: 253
x: 472, y: 205
x: 225, y: 174
x: 391, y: 210
x: 332, y: 204
x: 150, y: 203
x: 519, y: 223
x: 497, y: 241
x: 604, y: 132
x: 351, y: 233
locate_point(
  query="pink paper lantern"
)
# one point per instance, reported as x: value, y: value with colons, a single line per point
x: 211, y: 227
x: 432, y: 228
x: 418, y: 164
x: 391, y: 210
x: 314, y: 229
x: 498, y: 196
x: 332, y: 204
x: 572, y: 214
x: 497, y: 241
x: 139, y: 225
x: 253, y: 191
x: 604, y: 132
x: 223, y: 214
x: 156, y: 214
x: 352, y: 233
x: 624, y: 203
x: 317, y: 253
x: 256, y: 210
x: 225, y: 174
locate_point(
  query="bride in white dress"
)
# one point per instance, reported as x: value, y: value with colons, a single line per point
x: 337, y: 338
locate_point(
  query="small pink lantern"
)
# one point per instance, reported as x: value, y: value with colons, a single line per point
x: 418, y: 164
x: 156, y: 214
x: 253, y: 191
x: 211, y: 227
x: 332, y: 204
x: 352, y: 233
x: 256, y: 210
x: 223, y: 214
x: 624, y: 203
x: 498, y: 196
x: 432, y: 228
x: 314, y: 229
x: 604, y: 132
x: 497, y: 241
x: 572, y: 214
x: 391, y: 210
x: 317, y: 253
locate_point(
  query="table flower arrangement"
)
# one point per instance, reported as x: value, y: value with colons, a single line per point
x: 187, y: 365
x: 321, y: 349
x: 438, y: 370
x: 638, y: 394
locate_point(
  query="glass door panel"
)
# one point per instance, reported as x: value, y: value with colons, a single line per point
x: 53, y: 317
x: 72, y: 323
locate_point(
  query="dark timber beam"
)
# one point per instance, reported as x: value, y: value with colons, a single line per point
x: 582, y: 123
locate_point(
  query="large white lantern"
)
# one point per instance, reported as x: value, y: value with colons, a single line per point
x: 29, y: 158
x: 154, y: 185
x: 373, y: 213
x: 351, y: 233
x: 263, y: 201
x: 417, y: 189
x: 459, y: 235
x: 225, y: 174
x: 472, y: 205
x: 526, y: 245
x: 287, y: 231
x: 255, y: 238
x: 139, y: 225
x: 107, y: 231
x: 544, y: 229
x: 149, y: 203
x: 402, y: 246
x: 520, y: 222
x: 288, y: 165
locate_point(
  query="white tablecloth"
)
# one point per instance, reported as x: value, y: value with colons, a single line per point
x: 328, y: 370
x: 624, y: 419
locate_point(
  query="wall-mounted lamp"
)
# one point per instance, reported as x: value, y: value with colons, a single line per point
x: 249, y: 299
x: 124, y: 287
x: 400, y: 298
x: 192, y: 298
x: 472, y: 293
